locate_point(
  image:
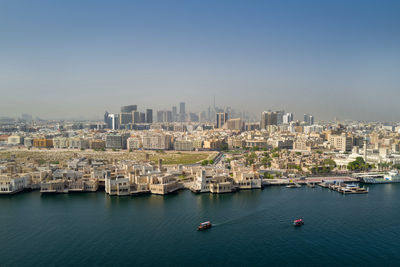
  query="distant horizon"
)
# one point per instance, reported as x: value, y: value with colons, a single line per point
x: 77, y: 59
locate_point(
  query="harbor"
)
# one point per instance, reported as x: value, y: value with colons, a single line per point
x: 151, y: 227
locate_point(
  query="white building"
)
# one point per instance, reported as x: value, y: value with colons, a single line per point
x: 15, y: 140
x: 202, y: 182
x: 12, y: 185
x: 118, y: 186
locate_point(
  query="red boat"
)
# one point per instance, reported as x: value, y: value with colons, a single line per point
x: 204, y: 226
x: 298, y: 222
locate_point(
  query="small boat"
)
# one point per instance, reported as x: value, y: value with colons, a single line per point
x: 204, y: 226
x: 293, y: 186
x: 298, y: 222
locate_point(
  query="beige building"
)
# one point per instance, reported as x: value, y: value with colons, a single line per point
x: 341, y: 142
x: 221, y: 184
x: 183, y: 145
x: 164, y: 185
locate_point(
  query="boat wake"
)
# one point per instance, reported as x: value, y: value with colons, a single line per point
x: 254, y: 213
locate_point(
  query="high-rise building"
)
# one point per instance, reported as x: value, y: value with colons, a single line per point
x: 125, y: 118
x: 142, y: 117
x: 309, y: 119
x: 164, y: 116
x: 222, y: 117
x: 279, y: 116
x: 287, y: 118
x: 182, y: 111
x: 235, y: 124
x: 113, y: 121
x: 174, y: 113
x: 136, y: 117
x: 268, y: 118
x: 193, y: 117
x: 149, y: 115
x: 128, y: 109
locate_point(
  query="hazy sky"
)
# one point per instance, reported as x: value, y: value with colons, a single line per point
x: 76, y: 59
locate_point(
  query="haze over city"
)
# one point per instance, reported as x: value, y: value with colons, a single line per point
x: 76, y: 59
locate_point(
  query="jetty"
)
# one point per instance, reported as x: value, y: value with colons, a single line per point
x: 347, y: 188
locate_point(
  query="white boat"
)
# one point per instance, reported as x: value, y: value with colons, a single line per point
x: 392, y: 177
x: 293, y: 186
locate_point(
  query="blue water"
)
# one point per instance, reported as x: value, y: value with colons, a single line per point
x: 250, y: 228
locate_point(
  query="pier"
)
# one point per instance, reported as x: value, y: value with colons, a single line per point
x: 347, y: 189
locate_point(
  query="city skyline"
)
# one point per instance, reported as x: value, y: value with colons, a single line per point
x: 75, y: 60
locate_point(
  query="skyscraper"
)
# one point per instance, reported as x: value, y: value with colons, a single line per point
x: 149, y: 115
x: 279, y: 116
x: 222, y: 117
x: 287, y: 118
x: 182, y: 111
x: 268, y: 118
x: 309, y: 119
x: 174, y: 113
x: 128, y: 109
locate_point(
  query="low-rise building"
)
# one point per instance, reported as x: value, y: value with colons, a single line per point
x: 164, y: 185
x: 202, y: 182
x: 221, y: 184
x: 118, y: 186
x: 13, y: 184
x: 58, y: 186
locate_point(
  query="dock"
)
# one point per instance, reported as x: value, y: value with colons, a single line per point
x: 347, y: 189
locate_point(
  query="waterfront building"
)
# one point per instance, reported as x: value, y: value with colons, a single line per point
x: 221, y: 184
x: 58, y: 186
x: 247, y: 179
x: 118, y: 186
x: 11, y: 184
x: 164, y: 185
x: 83, y: 185
x: 202, y: 182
